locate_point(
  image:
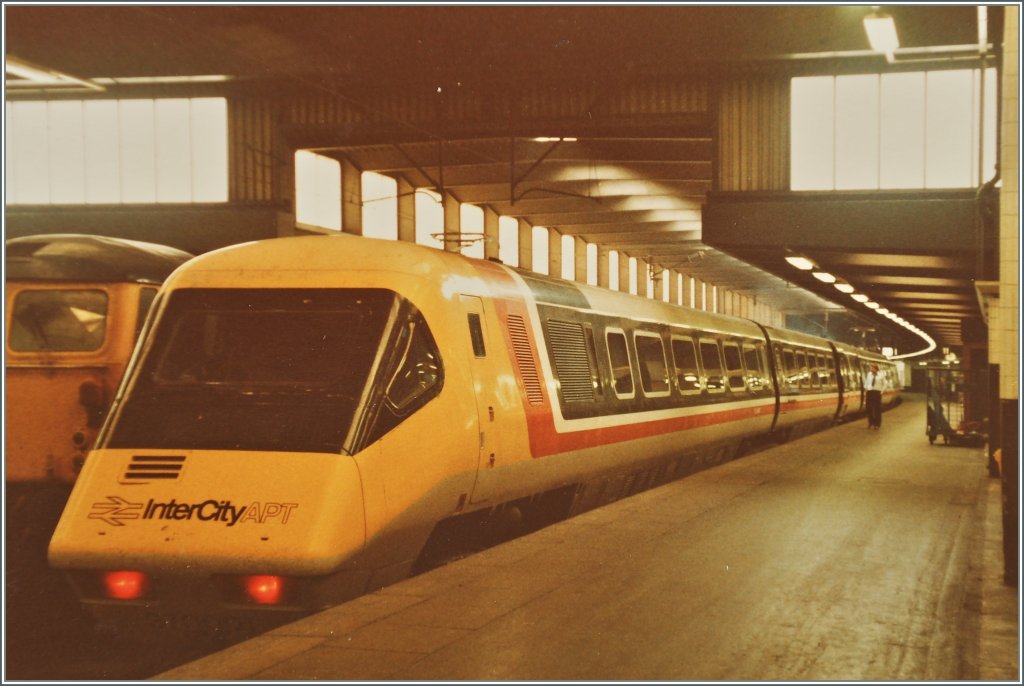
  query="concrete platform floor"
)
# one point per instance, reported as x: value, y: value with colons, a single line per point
x: 847, y: 555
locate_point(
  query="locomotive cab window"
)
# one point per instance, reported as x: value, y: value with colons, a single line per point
x: 687, y: 371
x: 650, y: 353
x: 618, y: 357
x: 733, y: 366
x: 328, y: 360
x: 711, y: 358
x: 58, y: 321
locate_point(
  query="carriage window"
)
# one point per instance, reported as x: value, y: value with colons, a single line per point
x: 830, y: 364
x: 712, y: 359
x: 618, y: 355
x: 58, y: 321
x: 792, y: 373
x: 733, y: 365
x: 650, y: 354
x: 687, y: 372
x: 146, y: 296
x: 755, y: 371
x: 814, y: 363
x: 803, y: 378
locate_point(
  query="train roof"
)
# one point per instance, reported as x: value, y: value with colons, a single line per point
x: 83, y: 257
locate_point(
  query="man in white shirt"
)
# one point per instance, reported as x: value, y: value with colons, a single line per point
x: 874, y: 385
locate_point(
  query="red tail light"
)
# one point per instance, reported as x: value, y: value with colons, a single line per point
x: 264, y: 590
x: 125, y: 585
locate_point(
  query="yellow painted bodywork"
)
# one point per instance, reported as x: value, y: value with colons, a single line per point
x: 390, y: 494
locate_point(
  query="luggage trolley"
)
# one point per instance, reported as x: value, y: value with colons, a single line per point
x: 956, y: 406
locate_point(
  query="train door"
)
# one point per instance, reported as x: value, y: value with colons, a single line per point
x: 485, y: 391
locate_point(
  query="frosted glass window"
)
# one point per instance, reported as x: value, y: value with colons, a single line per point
x: 665, y: 285
x: 714, y: 298
x: 948, y: 129
x: 209, y: 135
x: 680, y: 284
x: 317, y: 190
x: 540, y: 250
x: 648, y: 281
x: 30, y: 153
x: 380, y: 206
x: 173, y: 151
x: 921, y: 130
x: 471, y: 220
x: 857, y: 131
x: 8, y: 148
x: 613, y: 270
x: 592, y: 264
x: 67, y: 152
x: 989, y: 131
x: 117, y: 151
x: 568, y: 258
x: 429, y: 218
x: 102, y: 166
x: 632, y: 276
x: 902, y: 130
x: 812, y: 121
x: 508, y: 241
x: 138, y: 151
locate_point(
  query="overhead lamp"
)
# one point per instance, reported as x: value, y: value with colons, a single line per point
x: 824, y: 276
x: 554, y: 139
x: 872, y: 304
x: 844, y: 287
x: 882, y: 310
x: 860, y: 297
x: 881, y: 30
x: 799, y: 262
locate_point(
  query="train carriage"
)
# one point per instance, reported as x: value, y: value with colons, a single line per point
x: 308, y: 416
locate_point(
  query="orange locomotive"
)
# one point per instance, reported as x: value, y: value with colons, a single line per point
x: 75, y: 305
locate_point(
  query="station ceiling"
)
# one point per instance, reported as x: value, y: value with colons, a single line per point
x: 641, y: 192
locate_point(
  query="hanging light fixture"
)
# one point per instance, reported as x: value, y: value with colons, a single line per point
x: 881, y: 30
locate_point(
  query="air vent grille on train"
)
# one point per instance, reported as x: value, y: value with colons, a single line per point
x: 572, y: 365
x: 143, y: 468
x: 524, y: 358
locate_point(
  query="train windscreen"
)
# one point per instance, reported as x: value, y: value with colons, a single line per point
x: 255, y: 369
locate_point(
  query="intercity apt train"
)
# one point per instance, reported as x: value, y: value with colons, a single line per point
x: 304, y: 419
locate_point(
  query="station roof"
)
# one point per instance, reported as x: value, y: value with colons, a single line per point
x: 642, y: 191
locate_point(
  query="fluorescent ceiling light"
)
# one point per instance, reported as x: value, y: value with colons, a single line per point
x: 881, y: 30
x: 800, y: 262
x: 143, y: 80
x: 873, y: 305
x: 844, y: 288
x: 552, y: 139
x: 860, y: 297
x: 824, y: 276
x: 882, y: 310
x: 33, y: 76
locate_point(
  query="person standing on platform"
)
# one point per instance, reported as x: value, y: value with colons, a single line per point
x: 874, y: 385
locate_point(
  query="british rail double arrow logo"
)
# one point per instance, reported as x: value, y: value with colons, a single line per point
x: 115, y: 510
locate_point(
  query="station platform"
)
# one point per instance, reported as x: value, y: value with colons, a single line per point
x: 850, y: 554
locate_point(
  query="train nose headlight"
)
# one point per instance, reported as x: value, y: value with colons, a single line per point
x: 264, y: 590
x: 125, y: 585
